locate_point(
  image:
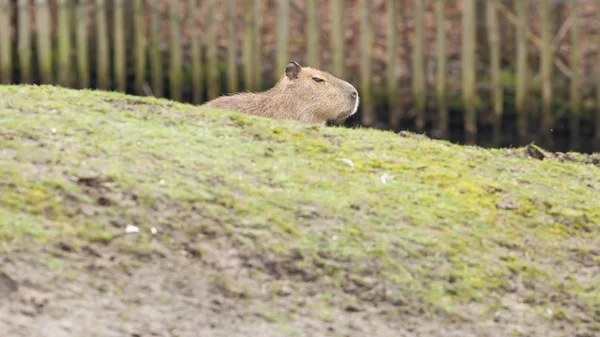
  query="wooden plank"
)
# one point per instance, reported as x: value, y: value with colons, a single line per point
x: 141, y: 42
x: 214, y: 83
x: 494, y: 40
x: 441, y: 68
x: 546, y: 70
x: 468, y: 70
x: 575, y: 84
x: 156, y: 63
x: 418, y: 78
x: 102, y: 54
x: 395, y: 111
x: 283, y: 33
x: 119, y: 46
x: 337, y: 38
x: 366, y: 70
x: 24, y: 42
x: 249, y: 46
x: 44, y: 43
x: 175, y: 64
x: 82, y: 22
x: 522, y: 70
x: 197, y: 86
x: 232, y: 50
x: 64, y: 43
x: 6, y: 68
x: 257, y: 56
x: 312, y: 35
x: 597, y: 128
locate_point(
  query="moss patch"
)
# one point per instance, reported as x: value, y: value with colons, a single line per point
x: 423, y: 226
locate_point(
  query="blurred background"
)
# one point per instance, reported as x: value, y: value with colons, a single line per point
x: 492, y: 73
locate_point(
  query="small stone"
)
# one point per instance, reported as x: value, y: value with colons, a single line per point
x: 132, y: 229
x: 348, y: 161
x: 534, y: 152
x: 28, y: 312
x: 385, y: 177
x: 159, y: 249
x: 506, y: 204
x: 7, y: 284
x: 353, y: 307
x: 67, y: 247
x: 285, y: 290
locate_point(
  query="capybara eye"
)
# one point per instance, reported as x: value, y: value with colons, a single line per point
x: 318, y: 80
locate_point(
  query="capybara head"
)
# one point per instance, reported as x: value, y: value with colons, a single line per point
x: 318, y: 93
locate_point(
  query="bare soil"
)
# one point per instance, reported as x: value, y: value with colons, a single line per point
x: 138, y: 217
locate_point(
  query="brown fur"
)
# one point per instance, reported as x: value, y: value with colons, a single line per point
x: 297, y: 96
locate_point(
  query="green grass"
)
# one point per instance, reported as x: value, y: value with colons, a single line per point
x: 78, y: 166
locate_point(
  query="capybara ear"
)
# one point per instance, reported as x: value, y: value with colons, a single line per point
x: 292, y: 70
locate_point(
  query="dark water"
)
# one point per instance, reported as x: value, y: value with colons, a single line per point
x: 560, y: 135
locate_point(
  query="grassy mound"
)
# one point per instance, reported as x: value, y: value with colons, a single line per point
x: 329, y: 220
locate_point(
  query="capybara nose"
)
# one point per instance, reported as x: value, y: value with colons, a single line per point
x: 354, y: 94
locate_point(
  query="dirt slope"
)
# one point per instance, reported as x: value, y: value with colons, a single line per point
x: 128, y: 216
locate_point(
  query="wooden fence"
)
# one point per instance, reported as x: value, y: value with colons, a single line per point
x: 194, y: 50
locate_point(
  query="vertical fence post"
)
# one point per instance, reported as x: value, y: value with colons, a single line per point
x: 395, y: 113
x: 440, y: 88
x: 257, y: 57
x: 313, y: 40
x: 597, y: 131
x: 575, y: 85
x: 24, y: 44
x: 232, y: 66
x: 44, y: 47
x: 83, y: 70
x: 175, y: 64
x: 468, y: 70
x: 155, y: 53
x: 5, y: 42
x: 366, y: 47
x: 211, y: 53
x: 337, y: 37
x: 546, y: 71
x: 418, y: 78
x: 140, y: 46
x: 119, y: 46
x: 493, y: 33
x: 283, y: 24
x: 102, y: 46
x: 522, y: 71
x: 248, y: 45
x: 63, y: 32
x: 195, y: 52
